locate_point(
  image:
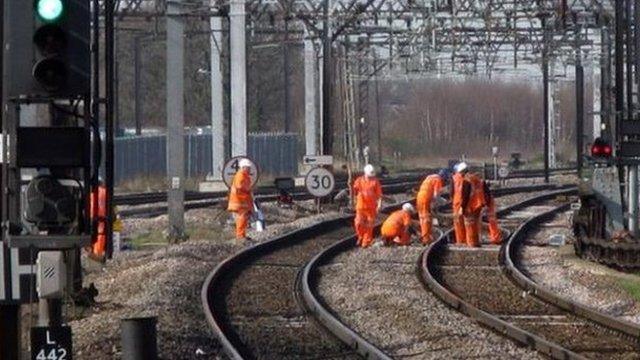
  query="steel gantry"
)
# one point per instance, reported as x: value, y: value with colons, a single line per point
x: 382, y: 39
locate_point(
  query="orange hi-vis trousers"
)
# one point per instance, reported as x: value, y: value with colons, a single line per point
x: 364, y: 223
x: 426, y: 221
x: 459, y: 229
x: 472, y: 224
x: 403, y: 239
x: 495, y: 235
x: 242, y: 222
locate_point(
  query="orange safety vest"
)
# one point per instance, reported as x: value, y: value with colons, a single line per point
x: 476, y: 197
x: 457, y: 184
x: 367, y: 193
x: 396, y: 224
x: 431, y: 186
x: 240, y: 197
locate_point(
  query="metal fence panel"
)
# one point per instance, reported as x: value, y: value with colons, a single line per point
x: 146, y: 156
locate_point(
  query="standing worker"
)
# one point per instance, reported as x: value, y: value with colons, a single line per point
x: 241, y: 198
x: 368, y: 194
x: 473, y: 202
x: 456, y: 202
x: 495, y: 235
x: 430, y: 188
x: 397, y: 228
x: 98, y: 211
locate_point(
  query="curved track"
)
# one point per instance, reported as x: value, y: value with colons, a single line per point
x: 473, y: 282
x: 273, y: 322
x: 332, y: 321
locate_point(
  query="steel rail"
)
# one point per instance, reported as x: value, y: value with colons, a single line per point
x: 161, y: 196
x: 518, y: 334
x: 328, y: 318
x: 526, y: 283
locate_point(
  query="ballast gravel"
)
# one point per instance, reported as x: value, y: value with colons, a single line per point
x: 558, y: 269
x: 376, y: 291
x: 166, y: 283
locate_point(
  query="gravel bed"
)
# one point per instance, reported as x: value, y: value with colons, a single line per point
x: 377, y: 293
x: 558, y: 269
x: 166, y: 282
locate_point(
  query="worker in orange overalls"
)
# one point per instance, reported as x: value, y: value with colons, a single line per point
x: 98, y: 248
x: 456, y: 202
x: 430, y: 188
x: 241, y: 199
x: 473, y: 202
x: 397, y: 228
x: 368, y: 195
x: 495, y: 235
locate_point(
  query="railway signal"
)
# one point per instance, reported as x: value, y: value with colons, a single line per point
x: 601, y: 149
x: 52, y: 38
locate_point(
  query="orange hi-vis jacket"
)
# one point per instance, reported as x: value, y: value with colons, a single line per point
x: 396, y: 224
x: 457, y: 185
x: 430, y: 187
x: 99, y: 240
x: 367, y: 193
x: 473, y: 194
x: 240, y: 198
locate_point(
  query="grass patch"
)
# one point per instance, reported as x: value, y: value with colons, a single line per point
x: 632, y: 286
x: 152, y: 238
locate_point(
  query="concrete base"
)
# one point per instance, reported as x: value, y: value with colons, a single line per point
x: 212, y: 186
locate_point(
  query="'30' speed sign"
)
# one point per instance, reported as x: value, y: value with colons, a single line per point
x: 320, y: 182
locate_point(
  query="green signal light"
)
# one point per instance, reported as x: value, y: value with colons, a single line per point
x: 49, y: 10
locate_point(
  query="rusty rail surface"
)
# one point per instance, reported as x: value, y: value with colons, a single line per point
x: 232, y: 345
x: 509, y: 252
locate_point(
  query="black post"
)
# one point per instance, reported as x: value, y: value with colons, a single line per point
x: 136, y: 85
x: 619, y: 67
x: 545, y: 100
x: 629, y: 61
x: 10, y: 330
x: 139, y: 338
x: 327, y: 127
x: 285, y: 55
x: 579, y: 111
x: 109, y: 125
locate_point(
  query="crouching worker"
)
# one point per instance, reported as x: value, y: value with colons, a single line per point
x: 397, y: 228
x: 241, y: 199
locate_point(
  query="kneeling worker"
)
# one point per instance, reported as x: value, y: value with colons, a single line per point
x: 397, y: 228
x: 241, y: 198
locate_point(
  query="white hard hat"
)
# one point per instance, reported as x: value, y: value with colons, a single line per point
x: 408, y: 208
x: 462, y: 167
x: 244, y: 163
x: 369, y: 170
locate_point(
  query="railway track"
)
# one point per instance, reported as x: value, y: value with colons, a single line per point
x: 278, y: 320
x: 198, y: 200
x: 488, y: 285
x: 161, y: 196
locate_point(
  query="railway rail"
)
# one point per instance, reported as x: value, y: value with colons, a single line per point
x: 490, y: 287
x: 161, y: 196
x: 199, y: 200
x: 278, y: 278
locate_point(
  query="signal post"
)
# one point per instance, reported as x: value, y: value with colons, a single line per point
x: 50, y: 168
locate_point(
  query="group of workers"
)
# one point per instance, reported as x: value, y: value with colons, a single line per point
x: 469, y: 194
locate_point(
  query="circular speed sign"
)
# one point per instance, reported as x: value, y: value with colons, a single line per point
x: 503, y: 172
x: 232, y: 167
x: 319, y: 182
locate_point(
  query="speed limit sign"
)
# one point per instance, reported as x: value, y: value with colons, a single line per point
x: 233, y: 165
x: 319, y: 182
